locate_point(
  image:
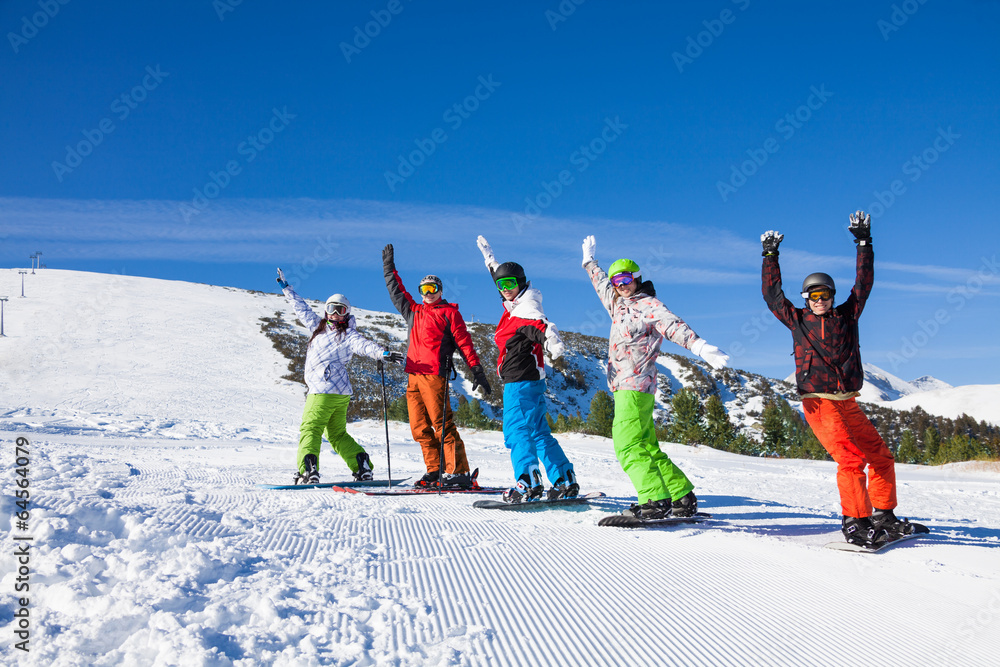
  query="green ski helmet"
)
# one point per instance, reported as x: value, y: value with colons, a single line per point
x: 625, y: 266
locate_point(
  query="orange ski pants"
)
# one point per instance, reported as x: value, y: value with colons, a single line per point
x: 424, y: 401
x: 851, y: 439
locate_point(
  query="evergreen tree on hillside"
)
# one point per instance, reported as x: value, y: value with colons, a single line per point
x: 685, y: 419
x: 719, y: 432
x: 602, y: 414
x: 907, y: 451
x: 774, y: 441
x: 932, y: 441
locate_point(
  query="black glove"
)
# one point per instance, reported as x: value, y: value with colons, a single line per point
x: 393, y: 356
x: 861, y: 227
x: 479, y: 381
x: 388, y: 262
x: 770, y: 241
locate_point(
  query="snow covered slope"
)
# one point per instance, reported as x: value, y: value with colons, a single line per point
x: 152, y: 409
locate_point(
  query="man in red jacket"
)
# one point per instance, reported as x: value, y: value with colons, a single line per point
x: 436, y: 330
x: 829, y: 375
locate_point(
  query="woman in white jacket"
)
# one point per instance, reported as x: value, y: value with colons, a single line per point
x: 639, y: 323
x: 334, y: 340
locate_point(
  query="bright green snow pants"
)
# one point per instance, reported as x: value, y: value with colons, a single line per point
x: 653, y: 474
x: 327, y: 412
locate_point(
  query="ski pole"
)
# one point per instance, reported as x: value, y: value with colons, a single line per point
x: 448, y: 369
x: 385, y: 418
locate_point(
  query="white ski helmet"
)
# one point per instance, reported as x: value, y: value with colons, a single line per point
x: 337, y: 300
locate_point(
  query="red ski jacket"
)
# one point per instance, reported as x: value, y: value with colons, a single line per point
x: 435, y: 331
x: 827, y: 350
x: 520, y: 336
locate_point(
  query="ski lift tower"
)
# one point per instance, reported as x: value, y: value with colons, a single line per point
x: 39, y: 254
x: 23, y: 272
x: 3, y: 300
x: 32, y: 258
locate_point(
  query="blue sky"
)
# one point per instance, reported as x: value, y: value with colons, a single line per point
x: 213, y: 141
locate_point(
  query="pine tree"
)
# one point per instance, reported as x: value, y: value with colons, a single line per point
x: 685, y: 419
x: 719, y: 432
x: 775, y: 442
x: 907, y: 451
x: 932, y: 441
x: 398, y: 410
x: 602, y: 414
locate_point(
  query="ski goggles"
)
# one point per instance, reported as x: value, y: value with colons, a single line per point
x: 429, y: 288
x: 504, y: 284
x: 336, y: 309
x: 819, y: 295
x: 624, y: 278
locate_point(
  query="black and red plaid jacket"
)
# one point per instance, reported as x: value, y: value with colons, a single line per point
x: 827, y: 350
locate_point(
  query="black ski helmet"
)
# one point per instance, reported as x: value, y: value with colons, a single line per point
x: 814, y: 280
x: 511, y: 270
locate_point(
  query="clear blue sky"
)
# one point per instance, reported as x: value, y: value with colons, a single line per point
x: 213, y: 142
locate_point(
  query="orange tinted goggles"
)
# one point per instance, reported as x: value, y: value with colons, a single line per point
x: 820, y: 295
x: 429, y: 288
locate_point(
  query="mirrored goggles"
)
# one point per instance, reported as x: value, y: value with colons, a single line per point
x: 506, y: 283
x: 429, y: 288
x: 624, y: 278
x: 820, y: 295
x: 336, y: 309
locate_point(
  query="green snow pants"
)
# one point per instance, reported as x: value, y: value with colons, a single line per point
x: 653, y: 474
x: 327, y: 412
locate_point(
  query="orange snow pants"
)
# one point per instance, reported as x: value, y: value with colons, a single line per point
x: 851, y: 439
x: 424, y: 401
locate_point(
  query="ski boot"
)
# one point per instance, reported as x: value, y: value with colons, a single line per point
x: 364, y: 471
x: 523, y: 491
x: 860, y: 531
x: 456, y: 481
x: 887, y: 521
x: 311, y: 473
x: 430, y: 479
x: 685, y: 506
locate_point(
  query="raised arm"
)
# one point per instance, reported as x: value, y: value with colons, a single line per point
x: 864, y: 279
x: 488, y: 257
x: 598, y: 278
x: 401, y: 299
x: 309, y: 319
x: 774, y: 296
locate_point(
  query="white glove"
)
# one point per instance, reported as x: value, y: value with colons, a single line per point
x: 715, y: 357
x: 553, y: 343
x: 488, y: 257
x: 589, y: 247
x: 281, y: 279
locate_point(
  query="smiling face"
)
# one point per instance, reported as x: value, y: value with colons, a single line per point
x: 626, y: 289
x: 820, y: 300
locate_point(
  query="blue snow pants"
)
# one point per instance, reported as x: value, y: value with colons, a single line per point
x: 526, y: 432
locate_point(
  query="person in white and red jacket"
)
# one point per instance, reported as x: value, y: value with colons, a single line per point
x: 522, y: 337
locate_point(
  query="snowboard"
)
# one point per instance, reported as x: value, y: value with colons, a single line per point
x: 536, y: 504
x: 856, y: 548
x: 622, y: 521
x: 330, y: 485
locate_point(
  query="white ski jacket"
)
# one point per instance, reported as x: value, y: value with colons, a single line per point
x: 330, y: 351
x: 639, y: 324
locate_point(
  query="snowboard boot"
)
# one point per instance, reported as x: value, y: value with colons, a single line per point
x: 523, y: 492
x: 364, y: 471
x: 886, y: 520
x: 456, y: 481
x: 311, y: 473
x: 652, y: 509
x: 860, y: 531
x: 430, y: 479
x: 685, y: 506
x: 564, y: 487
